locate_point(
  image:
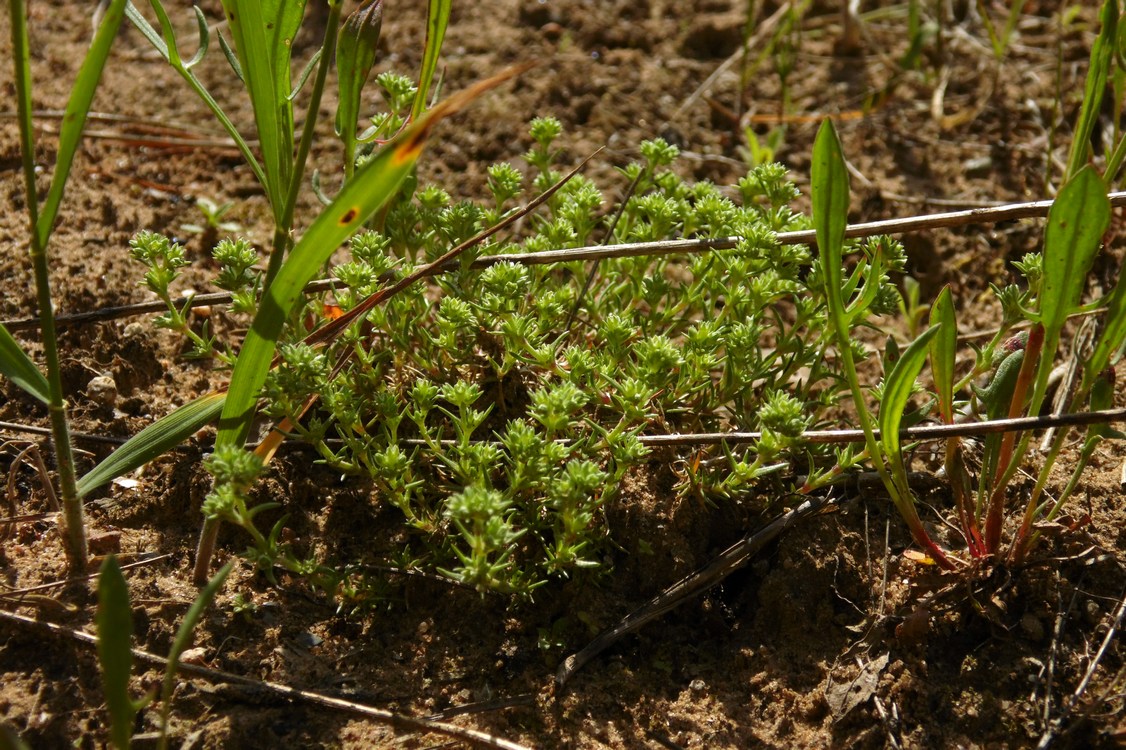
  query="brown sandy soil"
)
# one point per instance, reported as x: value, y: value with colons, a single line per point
x: 831, y: 637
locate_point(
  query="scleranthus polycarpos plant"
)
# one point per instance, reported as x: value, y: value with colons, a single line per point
x: 501, y: 430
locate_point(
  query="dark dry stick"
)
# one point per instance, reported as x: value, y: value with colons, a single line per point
x: 728, y: 561
x: 996, y: 214
x: 926, y: 432
x: 399, y: 721
x: 1035, y: 209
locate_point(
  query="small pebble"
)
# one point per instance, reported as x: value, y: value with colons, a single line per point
x: 1092, y: 613
x: 1032, y: 627
x: 102, y: 390
x: 104, y: 542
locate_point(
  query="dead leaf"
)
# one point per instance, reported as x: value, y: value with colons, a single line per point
x: 847, y: 696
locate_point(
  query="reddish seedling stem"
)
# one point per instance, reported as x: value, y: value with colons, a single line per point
x: 995, y: 517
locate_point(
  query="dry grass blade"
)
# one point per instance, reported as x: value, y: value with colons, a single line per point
x: 285, y: 692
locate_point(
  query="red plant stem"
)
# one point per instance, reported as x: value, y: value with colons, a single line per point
x: 995, y: 517
x: 959, y: 480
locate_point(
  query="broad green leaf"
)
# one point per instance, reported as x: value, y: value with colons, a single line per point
x: 18, y: 367
x: 183, y: 640
x: 371, y: 186
x: 1102, y: 57
x: 437, y: 18
x: 115, y: 655
x: 162, y: 435
x: 1076, y: 223
x: 897, y: 392
x: 74, y: 118
x: 943, y: 351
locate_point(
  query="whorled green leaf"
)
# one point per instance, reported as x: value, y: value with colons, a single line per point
x: 355, y: 55
x: 173, y: 57
x: 74, y: 117
x: 114, y: 621
x: 943, y: 351
x: 371, y: 186
x: 183, y: 640
x: 162, y: 435
x: 1102, y: 58
x: 437, y: 18
x: 18, y: 367
x: 897, y: 392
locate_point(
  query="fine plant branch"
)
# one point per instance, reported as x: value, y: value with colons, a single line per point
x: 278, y: 690
x: 903, y: 225
x: 172, y: 56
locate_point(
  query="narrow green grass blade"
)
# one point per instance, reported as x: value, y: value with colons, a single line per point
x: 1102, y: 58
x: 437, y: 18
x: 147, y: 31
x: 162, y: 435
x: 74, y: 119
x: 115, y: 631
x: 253, y: 45
x: 1111, y: 338
x: 283, y: 19
x: 370, y: 187
x: 362, y: 196
x: 897, y: 390
x: 183, y: 640
x: 830, y: 194
x: 168, y: 33
x: 943, y: 351
x: 18, y: 367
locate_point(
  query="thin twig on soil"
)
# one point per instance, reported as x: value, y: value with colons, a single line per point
x: 18, y: 593
x: 923, y: 432
x: 692, y: 585
x: 1053, y: 728
x: 286, y: 692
